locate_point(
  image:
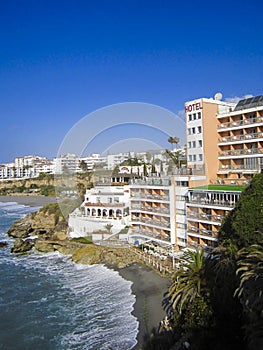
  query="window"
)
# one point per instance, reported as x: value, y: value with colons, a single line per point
x: 200, y: 143
x: 190, y: 157
x: 194, y: 115
x: 190, y: 117
x: 189, y: 144
x: 193, y: 130
x: 199, y: 115
x: 189, y: 131
x: 200, y: 157
x: 194, y: 144
x: 199, y: 129
x: 194, y: 157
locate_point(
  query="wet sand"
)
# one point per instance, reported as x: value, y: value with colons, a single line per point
x: 30, y: 200
x: 148, y: 287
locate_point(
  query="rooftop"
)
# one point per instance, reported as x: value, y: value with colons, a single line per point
x: 250, y: 102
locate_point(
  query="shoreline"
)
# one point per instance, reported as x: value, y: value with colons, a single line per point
x: 29, y: 200
x: 148, y: 287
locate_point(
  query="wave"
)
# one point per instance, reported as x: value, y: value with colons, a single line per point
x: 52, y: 303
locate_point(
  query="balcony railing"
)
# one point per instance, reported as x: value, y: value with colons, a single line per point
x: 150, y: 196
x: 241, y: 122
x: 240, y: 168
x: 212, y: 202
x: 152, y: 222
x: 201, y: 232
x: 241, y: 152
x: 241, y: 137
x: 151, y: 234
x: 151, y: 182
x: 205, y: 217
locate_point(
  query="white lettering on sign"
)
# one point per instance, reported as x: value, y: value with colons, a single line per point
x: 193, y: 107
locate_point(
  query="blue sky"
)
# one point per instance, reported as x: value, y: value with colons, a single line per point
x: 62, y: 60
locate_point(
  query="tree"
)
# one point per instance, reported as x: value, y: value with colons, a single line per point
x: 173, y: 140
x: 83, y: 165
x: 250, y: 271
x: 244, y: 224
x: 175, y: 157
x: 189, y: 281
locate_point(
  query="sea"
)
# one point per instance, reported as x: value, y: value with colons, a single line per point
x: 48, y: 302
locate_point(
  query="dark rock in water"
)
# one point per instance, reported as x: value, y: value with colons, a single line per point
x: 3, y: 244
x: 20, y: 228
x: 22, y: 246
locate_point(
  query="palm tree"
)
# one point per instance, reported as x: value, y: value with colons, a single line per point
x: 250, y: 291
x: 189, y: 280
x: 173, y: 140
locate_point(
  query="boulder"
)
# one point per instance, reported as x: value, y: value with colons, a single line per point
x: 22, y: 246
x: 90, y: 254
x: 44, y: 246
x: 3, y: 244
x: 60, y: 235
x: 20, y: 228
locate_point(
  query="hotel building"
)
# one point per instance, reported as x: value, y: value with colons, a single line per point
x: 229, y: 147
x: 224, y: 150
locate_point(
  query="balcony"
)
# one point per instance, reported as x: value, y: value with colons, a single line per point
x: 241, y: 152
x: 212, y: 202
x: 205, y: 217
x: 146, y: 196
x: 151, y: 182
x: 150, y: 234
x: 240, y: 137
x: 225, y: 168
x: 238, y: 123
x: 201, y: 232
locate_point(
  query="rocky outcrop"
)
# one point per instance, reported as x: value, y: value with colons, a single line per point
x: 46, y: 233
x: 22, y: 246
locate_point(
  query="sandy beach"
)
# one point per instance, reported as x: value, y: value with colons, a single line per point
x: 148, y: 287
x: 30, y: 200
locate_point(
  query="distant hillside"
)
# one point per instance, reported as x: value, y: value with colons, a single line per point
x: 44, y: 184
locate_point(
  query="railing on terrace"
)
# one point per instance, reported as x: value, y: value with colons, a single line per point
x: 151, y: 182
x: 205, y: 217
x: 150, y: 196
x: 153, y: 222
x: 211, y: 202
x: 150, y: 209
x: 239, y: 152
x: 241, y: 122
x: 150, y: 234
x: 241, y: 137
x: 229, y: 181
x: 201, y: 232
x: 240, y: 167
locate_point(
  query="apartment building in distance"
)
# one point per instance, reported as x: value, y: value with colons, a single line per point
x: 26, y: 167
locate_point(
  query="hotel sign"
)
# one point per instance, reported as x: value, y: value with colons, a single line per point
x: 193, y: 107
